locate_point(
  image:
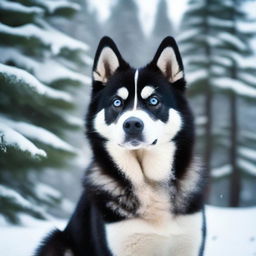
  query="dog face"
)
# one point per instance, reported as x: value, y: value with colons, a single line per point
x: 137, y: 108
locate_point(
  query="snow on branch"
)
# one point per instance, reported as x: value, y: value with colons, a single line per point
x: 221, y: 171
x: 37, y: 134
x: 17, y: 77
x: 247, y: 27
x: 10, y: 137
x: 233, y: 40
x: 222, y: 60
x: 193, y: 77
x: 188, y: 34
x: 248, y: 153
x: 235, y: 85
x: 47, y: 35
x: 201, y: 120
x: 247, y: 166
x: 53, y: 6
x: 213, y: 21
x: 248, y: 78
x: 47, y: 71
x: 17, y: 7
x: 20, y: 200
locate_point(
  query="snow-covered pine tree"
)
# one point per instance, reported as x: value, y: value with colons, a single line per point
x: 125, y: 28
x: 162, y: 25
x: 241, y: 94
x: 84, y: 26
x: 38, y: 79
x: 214, y: 51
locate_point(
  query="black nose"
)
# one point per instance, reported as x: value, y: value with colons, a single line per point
x: 133, y: 126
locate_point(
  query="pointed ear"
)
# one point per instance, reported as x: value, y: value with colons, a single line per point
x: 168, y: 60
x: 107, y: 60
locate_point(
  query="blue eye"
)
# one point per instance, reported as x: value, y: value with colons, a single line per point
x: 153, y: 101
x: 117, y: 103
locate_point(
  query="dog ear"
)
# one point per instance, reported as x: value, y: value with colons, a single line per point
x: 107, y: 60
x: 168, y: 60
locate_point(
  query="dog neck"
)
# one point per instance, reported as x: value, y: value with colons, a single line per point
x: 153, y: 165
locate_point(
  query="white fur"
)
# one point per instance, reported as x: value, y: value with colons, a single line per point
x: 176, y: 235
x: 136, y: 76
x: 188, y: 184
x: 107, y: 57
x: 153, y: 129
x: 168, y: 60
x: 147, y: 91
x: 104, y: 182
x: 122, y: 93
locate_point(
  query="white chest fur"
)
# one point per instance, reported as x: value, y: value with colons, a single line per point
x: 156, y: 232
x: 179, y: 236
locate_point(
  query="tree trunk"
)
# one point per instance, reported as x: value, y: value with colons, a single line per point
x: 235, y: 179
x: 208, y: 109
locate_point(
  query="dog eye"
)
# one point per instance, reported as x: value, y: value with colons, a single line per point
x: 153, y: 101
x: 117, y: 103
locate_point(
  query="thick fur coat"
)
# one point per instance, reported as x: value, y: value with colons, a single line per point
x: 143, y: 192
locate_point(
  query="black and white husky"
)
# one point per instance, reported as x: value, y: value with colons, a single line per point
x: 143, y: 193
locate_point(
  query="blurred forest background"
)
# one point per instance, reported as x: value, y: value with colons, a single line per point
x: 46, y: 52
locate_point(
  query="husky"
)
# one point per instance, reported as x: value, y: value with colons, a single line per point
x: 144, y: 190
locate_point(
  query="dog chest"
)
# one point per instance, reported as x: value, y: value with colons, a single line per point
x: 178, y: 235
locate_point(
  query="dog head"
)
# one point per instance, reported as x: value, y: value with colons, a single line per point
x: 137, y: 108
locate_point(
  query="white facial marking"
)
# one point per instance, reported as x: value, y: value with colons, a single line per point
x: 123, y: 93
x: 136, y: 76
x: 153, y: 129
x: 147, y: 91
x: 107, y: 60
x: 168, y: 60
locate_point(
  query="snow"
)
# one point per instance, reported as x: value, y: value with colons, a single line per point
x: 213, y: 21
x: 235, y: 85
x: 46, y: 35
x: 17, y: 7
x: 37, y: 133
x: 53, y: 6
x: 222, y: 60
x: 44, y: 191
x: 29, y: 235
x: 247, y: 166
x: 17, y: 198
x: 248, y: 78
x: 221, y: 171
x: 188, y: 34
x: 18, y: 76
x: 230, y: 231
x: 201, y: 120
x: 247, y: 27
x: 233, y: 40
x: 10, y: 137
x: 10, y: 193
x: 192, y: 77
x: 248, y: 153
x: 213, y: 40
x: 47, y: 71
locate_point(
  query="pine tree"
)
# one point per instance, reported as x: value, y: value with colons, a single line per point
x: 38, y: 80
x: 125, y: 28
x: 213, y: 47
x: 84, y: 26
x: 162, y: 25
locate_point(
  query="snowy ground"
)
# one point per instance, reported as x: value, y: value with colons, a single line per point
x: 230, y: 232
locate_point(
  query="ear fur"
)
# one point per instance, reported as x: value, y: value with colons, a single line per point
x: 168, y: 60
x: 107, y: 60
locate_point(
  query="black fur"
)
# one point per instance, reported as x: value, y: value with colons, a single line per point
x: 84, y: 234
